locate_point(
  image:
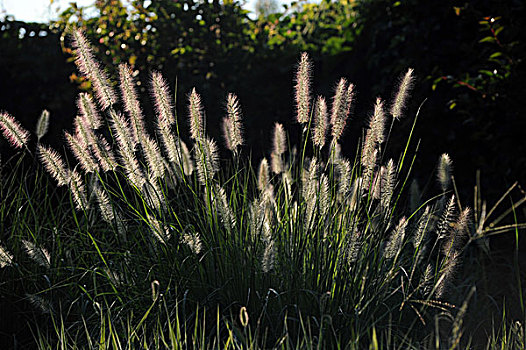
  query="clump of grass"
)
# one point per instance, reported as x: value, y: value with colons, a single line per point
x: 317, y: 248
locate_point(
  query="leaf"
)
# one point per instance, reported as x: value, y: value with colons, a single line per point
x: 498, y: 30
x: 495, y: 55
x: 488, y: 39
x: 487, y: 72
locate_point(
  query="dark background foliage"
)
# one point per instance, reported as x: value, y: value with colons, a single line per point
x: 468, y: 57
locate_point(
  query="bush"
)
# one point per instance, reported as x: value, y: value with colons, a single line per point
x: 309, y: 247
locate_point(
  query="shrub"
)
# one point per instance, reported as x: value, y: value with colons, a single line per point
x: 310, y: 247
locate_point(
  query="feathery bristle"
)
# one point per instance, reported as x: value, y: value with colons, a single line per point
x: 92, y: 70
x: 83, y: 132
x: 152, y: 193
x: 78, y: 191
x: 185, y: 158
x: 400, y: 100
x: 324, y: 199
x: 37, y: 254
x: 344, y: 180
x: 207, y: 158
x: 195, y: 113
x: 320, y: 122
x: 105, y: 207
x: 193, y: 242
x: 369, y: 167
x: 448, y: 271
x: 377, y: 183
x: 168, y: 140
x: 54, y: 164
x: 39, y: 303
x: 122, y: 133
x: 456, y: 235
x: 422, y: 228
x: 377, y: 122
x: 131, y: 103
x: 335, y: 152
x: 267, y: 262
x: 302, y: 89
x: 263, y: 175
x: 444, y: 224
x: 279, y: 140
x: 89, y: 111
x: 159, y: 231
x: 153, y: 158
x: 161, y: 97
x: 341, y: 107
x: 445, y: 166
x: 104, y: 155
x: 356, y: 190
x: 395, y: 243
x: 388, y: 184
x: 132, y: 168
x: 6, y: 258
x: 276, y: 163
x: 232, y: 128
x: 225, y: 212
x: 42, y: 125
x: 14, y: 133
x: 227, y: 135
x: 81, y: 153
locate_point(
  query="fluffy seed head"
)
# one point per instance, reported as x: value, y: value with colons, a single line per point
x: 54, y: 164
x: 232, y: 128
x: 377, y: 122
x: 302, y: 89
x: 14, y: 133
x: 445, y: 166
x: 88, y: 110
x: 395, y: 242
x: 161, y: 97
x: 207, y: 158
x: 37, y: 254
x: 83, y: 132
x: 81, y: 153
x: 276, y: 163
x: 193, y: 242
x: 6, y: 258
x: 388, y: 183
x: 447, y: 273
x: 263, y: 175
x: 168, y: 140
x: 153, y: 158
x: 195, y: 113
x: 279, y: 140
x: 185, y: 158
x: 131, y: 103
x: 341, y: 107
x: 267, y: 262
x: 320, y: 122
x: 92, y: 70
x: 78, y: 191
x: 105, y: 207
x: 122, y: 134
x: 42, y: 124
x: 344, y: 181
x: 104, y: 154
x: 404, y: 88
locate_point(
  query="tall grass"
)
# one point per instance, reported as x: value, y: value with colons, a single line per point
x: 156, y: 242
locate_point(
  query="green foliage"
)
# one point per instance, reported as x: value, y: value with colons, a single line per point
x: 324, y: 245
